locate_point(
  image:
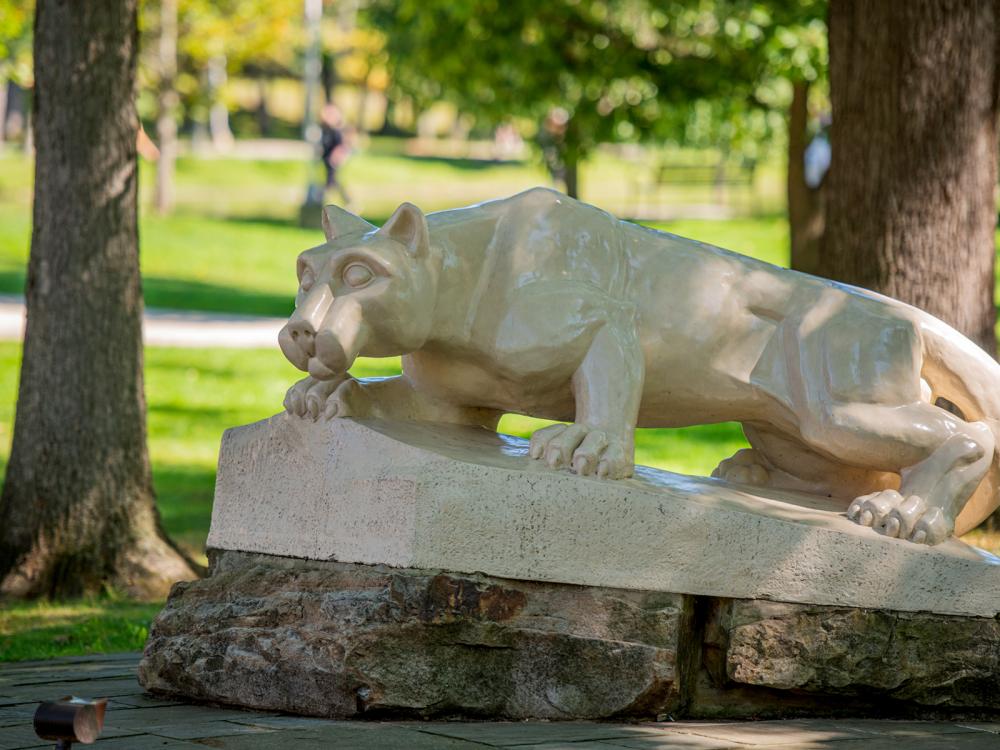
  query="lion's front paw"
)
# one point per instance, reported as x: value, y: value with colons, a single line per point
x: 892, y: 514
x: 742, y: 467
x: 307, y: 398
x: 584, y: 449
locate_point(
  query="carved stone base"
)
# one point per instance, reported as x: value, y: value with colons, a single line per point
x: 342, y: 640
x: 417, y: 495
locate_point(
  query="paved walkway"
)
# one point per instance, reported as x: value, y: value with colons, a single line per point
x: 172, y: 327
x: 136, y: 721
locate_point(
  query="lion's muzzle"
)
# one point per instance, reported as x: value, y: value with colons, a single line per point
x: 324, y: 334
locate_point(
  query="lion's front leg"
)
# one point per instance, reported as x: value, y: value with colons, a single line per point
x: 607, y: 388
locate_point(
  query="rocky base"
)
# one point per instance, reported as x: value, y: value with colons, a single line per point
x: 341, y: 640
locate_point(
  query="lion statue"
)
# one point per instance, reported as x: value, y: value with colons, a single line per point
x: 542, y: 305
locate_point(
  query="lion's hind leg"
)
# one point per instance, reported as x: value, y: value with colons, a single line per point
x: 940, y: 458
x: 858, y: 399
x: 784, y: 461
x: 934, y: 490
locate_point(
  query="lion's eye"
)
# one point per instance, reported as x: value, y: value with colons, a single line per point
x: 307, y: 280
x: 357, y: 275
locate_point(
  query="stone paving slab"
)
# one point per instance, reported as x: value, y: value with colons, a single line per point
x: 137, y: 721
x: 514, y: 734
x: 346, y: 736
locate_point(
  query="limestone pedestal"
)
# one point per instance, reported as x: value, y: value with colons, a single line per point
x: 374, y: 568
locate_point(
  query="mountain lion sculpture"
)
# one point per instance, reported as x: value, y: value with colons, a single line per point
x: 541, y: 305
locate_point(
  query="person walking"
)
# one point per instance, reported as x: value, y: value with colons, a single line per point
x: 335, y: 149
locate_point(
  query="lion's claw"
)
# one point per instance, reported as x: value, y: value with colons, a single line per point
x: 312, y: 398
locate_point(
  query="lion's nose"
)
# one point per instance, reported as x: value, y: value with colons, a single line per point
x: 304, y: 335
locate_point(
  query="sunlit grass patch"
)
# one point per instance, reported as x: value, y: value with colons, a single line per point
x: 44, y: 630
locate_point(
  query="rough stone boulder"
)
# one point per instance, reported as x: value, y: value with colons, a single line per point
x: 334, y: 639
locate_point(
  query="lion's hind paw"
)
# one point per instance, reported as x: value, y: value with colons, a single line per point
x: 892, y: 514
x: 742, y: 467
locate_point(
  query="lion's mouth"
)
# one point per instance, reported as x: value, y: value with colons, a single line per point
x: 322, y: 354
x: 320, y: 371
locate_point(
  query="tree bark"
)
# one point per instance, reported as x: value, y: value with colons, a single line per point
x: 77, y: 511
x: 166, y: 121
x: 3, y: 108
x: 263, y: 113
x: 910, y: 205
x: 805, y: 203
x: 571, y: 177
x: 328, y: 75
x: 218, y: 114
x: 571, y: 152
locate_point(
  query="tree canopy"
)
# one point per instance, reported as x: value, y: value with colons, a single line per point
x: 697, y: 71
x: 15, y: 40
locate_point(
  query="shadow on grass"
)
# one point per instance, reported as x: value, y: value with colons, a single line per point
x: 179, y: 294
x: 43, y: 630
x: 190, y: 414
x: 195, y: 295
x: 709, y: 434
x: 184, y: 497
x: 472, y: 165
x: 280, y: 222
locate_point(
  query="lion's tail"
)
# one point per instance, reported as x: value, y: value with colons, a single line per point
x: 966, y: 380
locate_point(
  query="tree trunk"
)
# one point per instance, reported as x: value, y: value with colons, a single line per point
x: 571, y: 152
x: 77, y: 511
x: 363, y: 95
x: 910, y: 204
x: 263, y: 113
x: 805, y: 203
x: 328, y: 75
x: 218, y: 114
x: 572, y: 176
x: 166, y: 121
x: 3, y: 108
x: 29, y: 129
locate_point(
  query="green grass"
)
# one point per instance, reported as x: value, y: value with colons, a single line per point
x: 44, y: 630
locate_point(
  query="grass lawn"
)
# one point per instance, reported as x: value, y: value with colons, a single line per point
x: 45, y: 630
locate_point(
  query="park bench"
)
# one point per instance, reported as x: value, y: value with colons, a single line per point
x: 646, y: 185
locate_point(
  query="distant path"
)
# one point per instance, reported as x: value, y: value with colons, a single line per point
x: 172, y: 327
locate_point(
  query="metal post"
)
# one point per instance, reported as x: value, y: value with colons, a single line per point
x: 311, y: 132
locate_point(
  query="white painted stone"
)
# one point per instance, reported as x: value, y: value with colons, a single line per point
x: 418, y: 495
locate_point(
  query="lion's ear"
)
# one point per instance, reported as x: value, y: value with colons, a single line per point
x: 338, y: 222
x: 408, y: 227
